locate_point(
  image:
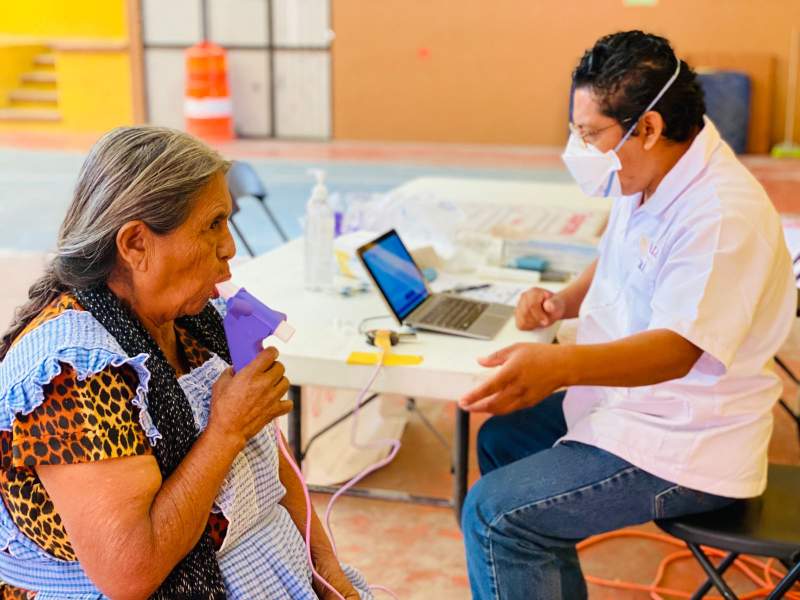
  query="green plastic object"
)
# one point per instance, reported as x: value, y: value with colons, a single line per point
x: 786, y: 150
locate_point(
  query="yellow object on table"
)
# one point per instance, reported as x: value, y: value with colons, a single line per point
x: 386, y: 357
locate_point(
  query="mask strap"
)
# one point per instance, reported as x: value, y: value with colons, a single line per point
x: 649, y: 106
x: 609, y: 184
x: 632, y: 127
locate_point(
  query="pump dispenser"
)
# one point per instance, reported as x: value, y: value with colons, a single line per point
x: 319, y: 193
x: 248, y: 322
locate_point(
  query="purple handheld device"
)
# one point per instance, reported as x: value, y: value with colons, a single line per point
x: 247, y: 322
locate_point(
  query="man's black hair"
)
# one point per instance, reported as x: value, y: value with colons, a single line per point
x: 626, y: 70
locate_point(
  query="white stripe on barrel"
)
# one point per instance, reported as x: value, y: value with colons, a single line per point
x: 207, y: 108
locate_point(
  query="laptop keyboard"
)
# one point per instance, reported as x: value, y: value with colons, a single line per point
x: 454, y: 313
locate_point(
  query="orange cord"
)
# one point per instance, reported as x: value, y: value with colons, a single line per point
x: 765, y: 584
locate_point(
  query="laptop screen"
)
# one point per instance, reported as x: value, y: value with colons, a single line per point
x: 395, y: 273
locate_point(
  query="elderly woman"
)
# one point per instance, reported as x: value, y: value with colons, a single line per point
x: 134, y: 463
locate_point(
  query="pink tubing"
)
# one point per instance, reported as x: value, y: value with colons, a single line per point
x: 395, y: 444
x: 297, y: 472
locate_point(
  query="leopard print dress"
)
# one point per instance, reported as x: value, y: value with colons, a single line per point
x: 53, y: 415
x: 78, y: 421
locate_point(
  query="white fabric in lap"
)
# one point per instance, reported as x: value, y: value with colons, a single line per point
x: 263, y: 555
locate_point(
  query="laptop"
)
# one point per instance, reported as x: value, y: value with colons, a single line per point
x: 403, y: 287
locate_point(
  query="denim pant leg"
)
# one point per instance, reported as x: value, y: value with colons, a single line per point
x: 507, y: 438
x: 521, y: 521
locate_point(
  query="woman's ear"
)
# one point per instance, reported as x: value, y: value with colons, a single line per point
x: 652, y: 126
x: 134, y: 245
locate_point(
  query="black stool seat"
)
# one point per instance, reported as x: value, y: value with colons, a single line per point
x: 765, y: 526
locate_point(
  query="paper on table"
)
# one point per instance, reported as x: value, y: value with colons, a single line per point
x: 524, y: 222
x: 501, y: 293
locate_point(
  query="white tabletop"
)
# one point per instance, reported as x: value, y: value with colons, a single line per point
x: 327, y: 333
x: 327, y: 324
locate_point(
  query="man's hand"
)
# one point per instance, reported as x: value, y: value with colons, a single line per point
x: 539, y: 308
x: 528, y: 373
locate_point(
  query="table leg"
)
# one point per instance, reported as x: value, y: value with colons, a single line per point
x: 460, y: 461
x: 295, y: 422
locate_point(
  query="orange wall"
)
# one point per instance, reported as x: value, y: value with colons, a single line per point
x: 498, y: 71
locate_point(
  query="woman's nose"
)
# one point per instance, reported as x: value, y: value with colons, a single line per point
x: 227, y: 247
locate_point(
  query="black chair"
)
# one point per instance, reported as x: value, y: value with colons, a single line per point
x: 243, y: 182
x: 765, y: 526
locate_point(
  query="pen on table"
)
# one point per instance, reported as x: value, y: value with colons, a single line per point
x: 469, y: 288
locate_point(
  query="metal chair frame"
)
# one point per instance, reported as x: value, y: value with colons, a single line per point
x: 243, y: 182
x: 715, y: 576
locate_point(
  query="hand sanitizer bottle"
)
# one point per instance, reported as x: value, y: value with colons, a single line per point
x: 319, y: 238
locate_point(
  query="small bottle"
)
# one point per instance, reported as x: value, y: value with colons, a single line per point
x: 319, y: 229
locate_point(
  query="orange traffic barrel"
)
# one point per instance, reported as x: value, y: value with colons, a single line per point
x: 207, y: 106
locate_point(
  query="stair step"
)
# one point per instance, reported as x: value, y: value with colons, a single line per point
x: 38, y: 85
x: 45, y: 59
x: 39, y: 77
x: 34, y: 105
x: 29, y: 114
x: 32, y: 95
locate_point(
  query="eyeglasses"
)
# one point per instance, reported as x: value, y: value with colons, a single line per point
x: 583, y: 135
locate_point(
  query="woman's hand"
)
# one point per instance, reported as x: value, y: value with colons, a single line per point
x: 242, y: 404
x: 329, y: 567
x: 539, y: 308
x: 528, y: 373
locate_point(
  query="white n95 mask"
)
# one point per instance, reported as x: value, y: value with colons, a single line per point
x: 594, y: 171
x: 597, y: 172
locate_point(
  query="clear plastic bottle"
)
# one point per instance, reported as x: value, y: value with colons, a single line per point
x: 319, y: 228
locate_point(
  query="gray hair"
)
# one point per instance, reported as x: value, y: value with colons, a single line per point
x: 151, y: 174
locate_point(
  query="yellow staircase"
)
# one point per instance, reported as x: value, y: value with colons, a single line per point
x: 36, y: 98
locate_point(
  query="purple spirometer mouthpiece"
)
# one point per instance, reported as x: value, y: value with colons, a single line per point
x: 248, y: 322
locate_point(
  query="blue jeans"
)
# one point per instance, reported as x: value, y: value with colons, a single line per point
x: 534, y: 502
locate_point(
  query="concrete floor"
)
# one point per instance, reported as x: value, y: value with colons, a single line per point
x: 415, y: 550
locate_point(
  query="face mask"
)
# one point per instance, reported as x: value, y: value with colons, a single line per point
x: 597, y: 172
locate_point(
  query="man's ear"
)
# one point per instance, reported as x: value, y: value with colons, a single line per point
x: 651, y: 126
x: 134, y: 245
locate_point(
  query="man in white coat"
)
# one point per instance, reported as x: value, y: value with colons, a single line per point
x: 667, y: 409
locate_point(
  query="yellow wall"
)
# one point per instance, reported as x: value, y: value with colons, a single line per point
x: 14, y: 60
x: 94, y: 86
x: 94, y: 90
x: 499, y: 71
x: 64, y: 18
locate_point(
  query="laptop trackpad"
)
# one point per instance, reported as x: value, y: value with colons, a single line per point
x: 488, y: 325
x: 501, y: 311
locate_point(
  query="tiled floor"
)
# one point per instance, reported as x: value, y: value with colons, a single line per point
x: 415, y: 550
